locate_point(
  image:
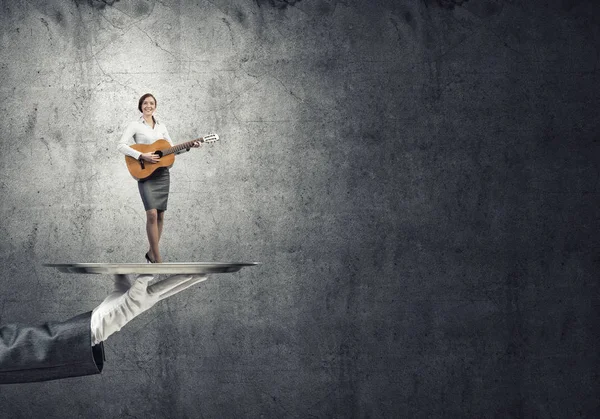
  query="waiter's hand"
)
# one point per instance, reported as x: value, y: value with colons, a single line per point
x: 151, y: 157
x: 131, y: 298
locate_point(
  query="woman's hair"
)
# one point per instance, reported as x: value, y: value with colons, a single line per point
x: 144, y: 98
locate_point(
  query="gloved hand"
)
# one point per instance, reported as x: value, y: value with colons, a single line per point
x: 131, y: 298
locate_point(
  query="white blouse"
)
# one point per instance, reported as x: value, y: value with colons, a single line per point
x: 141, y: 133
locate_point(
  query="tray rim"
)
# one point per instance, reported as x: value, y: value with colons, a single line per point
x: 148, y: 268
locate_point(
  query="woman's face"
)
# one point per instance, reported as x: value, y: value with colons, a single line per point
x: 148, y: 106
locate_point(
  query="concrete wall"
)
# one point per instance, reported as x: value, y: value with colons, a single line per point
x: 418, y: 178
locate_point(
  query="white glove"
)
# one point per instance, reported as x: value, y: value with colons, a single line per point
x: 129, y: 300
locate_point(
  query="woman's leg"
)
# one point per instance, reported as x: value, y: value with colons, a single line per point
x: 153, y: 234
x: 160, y: 220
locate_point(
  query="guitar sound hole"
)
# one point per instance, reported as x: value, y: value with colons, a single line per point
x: 159, y: 153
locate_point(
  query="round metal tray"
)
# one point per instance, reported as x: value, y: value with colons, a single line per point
x: 151, y: 268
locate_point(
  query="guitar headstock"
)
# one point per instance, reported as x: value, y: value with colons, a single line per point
x: 210, y: 138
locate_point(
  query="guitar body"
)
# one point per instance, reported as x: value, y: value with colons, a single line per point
x: 142, y: 171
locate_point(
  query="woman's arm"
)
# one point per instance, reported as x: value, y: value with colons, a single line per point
x: 166, y: 136
x: 126, y: 139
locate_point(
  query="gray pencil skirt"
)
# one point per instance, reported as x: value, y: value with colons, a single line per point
x: 155, y: 190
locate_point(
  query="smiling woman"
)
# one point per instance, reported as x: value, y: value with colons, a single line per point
x: 154, y: 190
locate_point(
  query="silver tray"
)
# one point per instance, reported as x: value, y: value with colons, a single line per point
x: 151, y: 268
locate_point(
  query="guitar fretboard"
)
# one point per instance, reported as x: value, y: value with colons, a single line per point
x: 180, y: 147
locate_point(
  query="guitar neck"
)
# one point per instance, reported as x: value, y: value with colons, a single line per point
x: 180, y: 147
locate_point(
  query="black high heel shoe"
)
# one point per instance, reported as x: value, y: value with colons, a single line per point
x: 148, y: 259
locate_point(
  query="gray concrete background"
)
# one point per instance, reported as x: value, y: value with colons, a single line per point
x: 419, y: 180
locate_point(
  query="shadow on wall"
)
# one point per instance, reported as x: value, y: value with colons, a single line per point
x: 280, y: 4
x: 447, y: 4
x: 98, y: 4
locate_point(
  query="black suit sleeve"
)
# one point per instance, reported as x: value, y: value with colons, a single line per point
x: 48, y: 352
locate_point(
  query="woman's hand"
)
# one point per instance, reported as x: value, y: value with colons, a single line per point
x: 151, y: 157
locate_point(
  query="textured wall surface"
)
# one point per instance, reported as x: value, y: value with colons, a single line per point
x: 419, y: 178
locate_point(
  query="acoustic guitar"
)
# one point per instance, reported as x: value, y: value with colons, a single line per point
x: 141, y: 169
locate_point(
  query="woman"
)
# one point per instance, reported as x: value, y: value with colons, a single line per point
x: 155, y: 189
